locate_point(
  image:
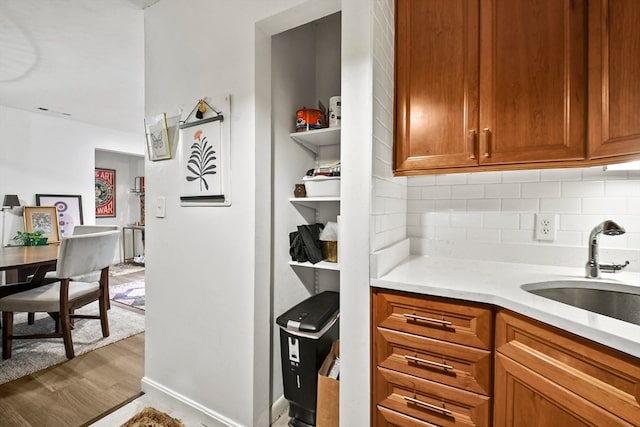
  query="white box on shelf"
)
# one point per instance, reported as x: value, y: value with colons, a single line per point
x: 322, y: 186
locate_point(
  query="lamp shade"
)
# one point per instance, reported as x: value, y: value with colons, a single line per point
x: 11, y: 200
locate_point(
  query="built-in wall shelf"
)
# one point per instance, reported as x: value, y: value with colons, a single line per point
x: 322, y: 265
x: 313, y: 202
x: 313, y: 139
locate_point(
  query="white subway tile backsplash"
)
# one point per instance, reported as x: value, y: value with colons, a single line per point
x: 421, y: 205
x: 467, y: 191
x: 561, y: 205
x: 501, y: 220
x: 517, y: 236
x: 414, y: 193
x: 541, y: 189
x: 483, y: 235
x: 527, y: 221
x: 451, y: 205
x: 520, y: 205
x: 601, y: 205
x: 582, y: 189
x: 450, y: 233
x: 521, y: 176
x: 568, y: 238
x: 499, y: 191
x: 436, y: 192
x: 437, y: 219
x: 568, y: 174
x: 483, y: 205
x: 629, y: 188
x: 454, y: 178
x: 467, y: 220
x: 484, y: 178
x: 420, y: 181
x: 584, y: 223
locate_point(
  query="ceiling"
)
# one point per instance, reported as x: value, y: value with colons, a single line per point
x: 80, y: 60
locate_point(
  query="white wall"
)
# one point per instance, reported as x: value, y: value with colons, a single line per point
x: 50, y: 155
x: 207, y: 341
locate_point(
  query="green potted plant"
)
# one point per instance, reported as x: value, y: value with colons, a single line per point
x: 31, y: 239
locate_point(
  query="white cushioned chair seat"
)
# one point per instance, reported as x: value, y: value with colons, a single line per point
x: 45, y: 298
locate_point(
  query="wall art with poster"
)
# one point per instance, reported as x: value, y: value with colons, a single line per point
x: 69, y: 210
x: 205, y: 158
x: 105, y: 193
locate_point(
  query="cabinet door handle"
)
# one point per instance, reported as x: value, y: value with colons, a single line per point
x: 427, y: 319
x: 486, y: 135
x: 472, y: 144
x: 428, y: 362
x: 428, y: 405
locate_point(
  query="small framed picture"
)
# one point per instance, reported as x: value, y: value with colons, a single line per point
x: 158, y: 144
x: 69, y: 210
x: 42, y: 218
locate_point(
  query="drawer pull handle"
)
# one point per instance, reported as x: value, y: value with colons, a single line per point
x: 472, y: 144
x: 428, y: 362
x: 428, y: 405
x: 428, y: 319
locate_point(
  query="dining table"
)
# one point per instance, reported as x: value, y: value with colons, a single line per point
x: 13, y: 258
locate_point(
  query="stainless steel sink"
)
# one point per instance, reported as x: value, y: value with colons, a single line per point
x: 609, y: 299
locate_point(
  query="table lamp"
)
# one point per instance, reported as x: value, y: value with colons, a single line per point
x: 10, y: 201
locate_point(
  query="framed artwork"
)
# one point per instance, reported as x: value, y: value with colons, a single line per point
x: 205, y: 158
x: 105, y: 193
x: 42, y: 218
x: 69, y: 209
x: 157, y: 133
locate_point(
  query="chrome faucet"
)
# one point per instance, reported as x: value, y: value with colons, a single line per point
x: 608, y: 228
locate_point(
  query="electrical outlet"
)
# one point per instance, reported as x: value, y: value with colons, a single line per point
x: 546, y: 227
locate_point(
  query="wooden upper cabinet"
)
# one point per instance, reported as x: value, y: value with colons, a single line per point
x: 532, y: 81
x: 614, y: 78
x: 437, y: 64
x: 489, y: 82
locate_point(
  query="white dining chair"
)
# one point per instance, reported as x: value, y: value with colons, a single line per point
x: 78, y: 255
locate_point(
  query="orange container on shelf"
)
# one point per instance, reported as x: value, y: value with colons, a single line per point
x: 308, y: 119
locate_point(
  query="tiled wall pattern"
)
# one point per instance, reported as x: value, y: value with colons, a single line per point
x: 389, y: 194
x: 499, y: 207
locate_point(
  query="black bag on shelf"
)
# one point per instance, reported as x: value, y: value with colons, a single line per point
x: 304, y: 244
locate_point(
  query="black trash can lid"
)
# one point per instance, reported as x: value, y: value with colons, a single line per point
x: 312, y: 314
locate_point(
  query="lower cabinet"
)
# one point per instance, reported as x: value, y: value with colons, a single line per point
x: 443, y: 362
x: 547, y: 377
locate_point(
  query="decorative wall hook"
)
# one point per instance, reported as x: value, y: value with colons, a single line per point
x: 200, y: 109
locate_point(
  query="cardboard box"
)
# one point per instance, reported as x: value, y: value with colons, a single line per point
x: 328, y: 405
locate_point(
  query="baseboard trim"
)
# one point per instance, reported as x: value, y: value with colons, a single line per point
x: 279, y: 408
x: 186, y: 407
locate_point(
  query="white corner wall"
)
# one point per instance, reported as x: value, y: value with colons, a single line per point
x: 208, y: 334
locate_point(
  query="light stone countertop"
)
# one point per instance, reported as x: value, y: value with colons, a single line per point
x: 499, y: 283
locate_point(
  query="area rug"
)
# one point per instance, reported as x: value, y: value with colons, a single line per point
x: 150, y: 417
x: 131, y: 294
x: 124, y: 268
x: 29, y: 356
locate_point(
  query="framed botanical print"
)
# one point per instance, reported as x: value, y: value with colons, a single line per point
x: 157, y: 132
x: 69, y: 210
x: 42, y: 218
x: 105, y: 193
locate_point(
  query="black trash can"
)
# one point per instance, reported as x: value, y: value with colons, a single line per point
x: 307, y: 331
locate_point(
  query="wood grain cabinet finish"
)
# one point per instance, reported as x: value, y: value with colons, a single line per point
x: 614, y: 80
x: 433, y: 361
x: 489, y: 82
x: 545, y: 376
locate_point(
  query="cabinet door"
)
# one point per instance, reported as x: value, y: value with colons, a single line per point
x: 614, y: 80
x: 436, y: 104
x: 524, y: 398
x: 532, y: 81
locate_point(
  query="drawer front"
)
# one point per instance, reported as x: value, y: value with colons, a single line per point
x: 461, y: 323
x: 388, y: 418
x: 430, y: 402
x: 459, y: 366
x: 596, y: 373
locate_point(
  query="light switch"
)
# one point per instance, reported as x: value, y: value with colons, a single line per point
x: 161, y: 204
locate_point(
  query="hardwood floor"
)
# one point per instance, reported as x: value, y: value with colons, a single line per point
x: 78, y: 391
